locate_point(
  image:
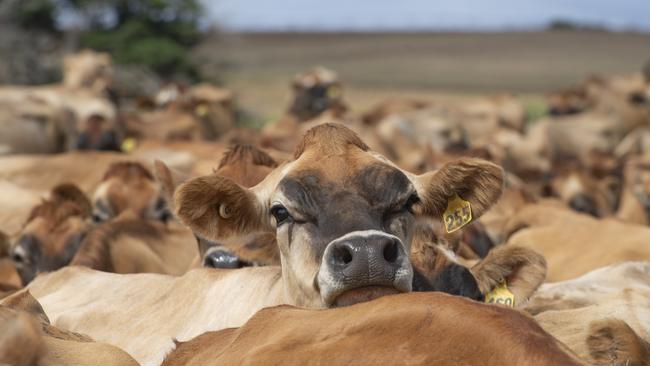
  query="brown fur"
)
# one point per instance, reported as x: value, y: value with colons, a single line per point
x: 474, y: 180
x: 524, y: 270
x: 28, y: 334
x: 244, y: 153
x: 434, y: 329
x: 329, y: 138
x: 4, y: 245
x: 127, y: 171
x: 613, y: 342
x: 95, y: 251
x: 66, y: 200
x: 197, y: 204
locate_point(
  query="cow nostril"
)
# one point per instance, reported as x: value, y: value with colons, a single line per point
x: 342, y: 254
x: 391, y: 252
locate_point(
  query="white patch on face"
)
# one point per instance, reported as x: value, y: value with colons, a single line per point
x: 101, y: 191
x: 448, y: 253
x: 366, y: 234
x: 573, y: 186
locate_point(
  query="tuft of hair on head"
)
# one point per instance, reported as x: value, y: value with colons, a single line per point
x: 65, y: 200
x: 128, y: 170
x: 69, y: 192
x: 246, y: 153
x: 329, y: 138
x: 614, y: 342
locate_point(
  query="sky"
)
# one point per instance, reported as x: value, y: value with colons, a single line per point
x: 372, y: 15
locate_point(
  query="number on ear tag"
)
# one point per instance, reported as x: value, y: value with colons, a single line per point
x: 501, y: 295
x: 457, y: 214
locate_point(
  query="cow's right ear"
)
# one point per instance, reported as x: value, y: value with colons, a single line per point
x: 217, y: 208
x: 169, y: 180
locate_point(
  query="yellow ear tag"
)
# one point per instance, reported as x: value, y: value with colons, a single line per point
x: 501, y: 295
x: 333, y: 92
x: 457, y: 214
x: 128, y: 144
x: 201, y: 110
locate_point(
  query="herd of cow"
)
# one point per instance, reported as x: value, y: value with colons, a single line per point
x: 154, y: 231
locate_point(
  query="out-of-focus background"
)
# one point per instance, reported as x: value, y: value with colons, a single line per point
x: 430, y: 49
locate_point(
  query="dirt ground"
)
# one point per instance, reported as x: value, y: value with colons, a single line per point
x: 434, y: 66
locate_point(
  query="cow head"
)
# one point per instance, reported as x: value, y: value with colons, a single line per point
x: 245, y: 165
x: 129, y: 186
x: 315, y: 92
x: 97, y: 132
x: 53, y: 232
x: 343, y: 216
x: 580, y: 190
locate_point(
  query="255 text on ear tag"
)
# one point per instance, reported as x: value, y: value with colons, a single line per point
x: 501, y: 295
x: 457, y: 214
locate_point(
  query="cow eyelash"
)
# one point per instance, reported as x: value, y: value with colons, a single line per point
x: 281, y: 214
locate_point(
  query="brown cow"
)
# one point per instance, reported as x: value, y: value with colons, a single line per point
x: 129, y: 185
x: 358, y: 251
x: 614, y: 302
x: 574, y: 244
x: 414, y: 329
x: 316, y: 91
x: 28, y: 339
x: 52, y: 232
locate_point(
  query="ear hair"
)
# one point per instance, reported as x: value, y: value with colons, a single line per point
x: 169, y: 180
x: 216, y: 207
x: 475, y: 180
x: 523, y: 269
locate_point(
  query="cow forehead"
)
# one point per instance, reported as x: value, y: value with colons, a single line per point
x: 312, y: 186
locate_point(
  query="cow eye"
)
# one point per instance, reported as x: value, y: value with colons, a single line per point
x: 412, y: 200
x: 280, y: 214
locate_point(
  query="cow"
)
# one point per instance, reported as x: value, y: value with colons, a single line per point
x: 246, y: 165
x: 316, y: 91
x: 33, y: 126
x: 612, y: 301
x: 28, y: 339
x: 574, y: 244
x: 357, y: 252
x: 129, y: 185
x: 130, y: 244
x: 52, y: 232
x: 84, y: 94
x: 414, y: 329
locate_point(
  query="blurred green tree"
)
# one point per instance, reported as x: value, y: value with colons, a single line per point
x: 153, y: 33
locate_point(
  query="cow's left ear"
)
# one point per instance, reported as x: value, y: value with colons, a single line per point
x: 476, y: 181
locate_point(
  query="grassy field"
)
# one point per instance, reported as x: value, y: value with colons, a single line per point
x: 434, y: 66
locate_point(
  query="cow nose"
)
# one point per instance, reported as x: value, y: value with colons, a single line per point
x: 583, y: 203
x: 221, y: 259
x: 359, y: 254
x: 362, y: 265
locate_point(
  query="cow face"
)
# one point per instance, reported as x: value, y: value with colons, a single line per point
x: 52, y: 233
x: 315, y: 92
x: 129, y: 186
x: 97, y: 133
x: 581, y: 191
x: 342, y: 215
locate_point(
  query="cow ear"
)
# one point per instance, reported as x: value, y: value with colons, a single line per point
x: 476, y: 181
x: 522, y: 269
x: 217, y: 208
x: 169, y: 180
